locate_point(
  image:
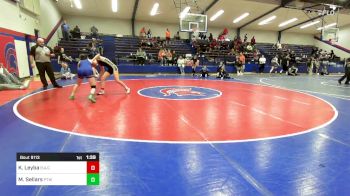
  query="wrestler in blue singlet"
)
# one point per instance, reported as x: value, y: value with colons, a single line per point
x: 85, y: 69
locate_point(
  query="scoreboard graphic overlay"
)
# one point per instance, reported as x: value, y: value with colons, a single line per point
x: 57, y: 169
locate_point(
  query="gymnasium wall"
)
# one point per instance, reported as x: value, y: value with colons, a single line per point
x: 104, y: 25
x: 260, y: 36
x: 49, y: 17
x: 344, y: 37
x: 17, y: 19
x: 297, y: 38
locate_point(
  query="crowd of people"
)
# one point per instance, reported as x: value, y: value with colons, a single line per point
x: 75, y: 33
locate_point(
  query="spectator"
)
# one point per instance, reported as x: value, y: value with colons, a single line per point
x: 256, y: 55
x: 149, y: 34
x: 94, y: 32
x: 274, y: 64
x: 167, y: 36
x: 92, y: 49
x: 95, y: 47
x: 10, y: 82
x: 143, y: 32
x: 240, y: 64
x: 224, y: 33
x: 292, y: 70
x: 204, y: 72
x: 285, y: 62
x: 169, y: 57
x: 279, y: 46
x: 324, y: 63
x: 65, y: 30
x: 57, y: 49
x: 161, y: 57
x: 221, y: 72
x: 252, y: 41
x: 141, y: 56
x: 331, y: 55
x: 177, y: 36
x: 245, y: 38
x: 262, y: 62
x: 310, y: 65
x: 314, y: 51
x: 76, y: 32
x: 249, y: 48
x: 210, y: 37
x: 63, y: 58
x: 195, y: 64
x: 174, y: 58
x: 66, y: 73
x: 347, y: 72
x: 40, y: 56
x: 181, y: 64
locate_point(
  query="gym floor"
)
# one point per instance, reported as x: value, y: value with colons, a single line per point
x: 178, y: 135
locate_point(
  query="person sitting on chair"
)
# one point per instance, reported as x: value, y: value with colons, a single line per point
x: 141, y: 56
x: 221, y: 72
x: 204, y: 72
x: 66, y: 73
x: 94, y: 32
x: 76, y: 32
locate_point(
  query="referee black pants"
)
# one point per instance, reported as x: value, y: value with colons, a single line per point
x: 346, y: 75
x: 46, y: 67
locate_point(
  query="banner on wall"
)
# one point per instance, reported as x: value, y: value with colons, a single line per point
x: 8, y: 53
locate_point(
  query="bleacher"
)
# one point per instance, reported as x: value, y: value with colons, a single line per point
x: 74, y: 47
x: 269, y: 51
x: 119, y: 48
x: 221, y: 53
x: 126, y: 46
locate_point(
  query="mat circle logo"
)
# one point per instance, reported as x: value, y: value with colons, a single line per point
x: 179, y: 92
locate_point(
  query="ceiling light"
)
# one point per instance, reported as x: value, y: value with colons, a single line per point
x: 114, y: 5
x: 77, y: 4
x: 309, y: 24
x: 287, y: 22
x: 240, y: 17
x: 185, y: 11
x: 215, y: 16
x: 154, y: 9
x: 327, y: 26
x: 264, y: 22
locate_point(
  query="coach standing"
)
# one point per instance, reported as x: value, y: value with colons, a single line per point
x: 347, y: 72
x: 40, y: 56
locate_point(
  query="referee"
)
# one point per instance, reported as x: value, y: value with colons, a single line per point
x: 347, y: 72
x: 40, y: 56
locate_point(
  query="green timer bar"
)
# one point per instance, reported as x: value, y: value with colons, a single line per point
x: 57, y: 169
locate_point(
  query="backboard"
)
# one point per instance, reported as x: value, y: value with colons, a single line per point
x: 330, y: 34
x: 192, y: 22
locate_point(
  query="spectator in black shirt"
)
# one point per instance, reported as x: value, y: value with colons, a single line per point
x: 76, y: 32
x: 94, y: 32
